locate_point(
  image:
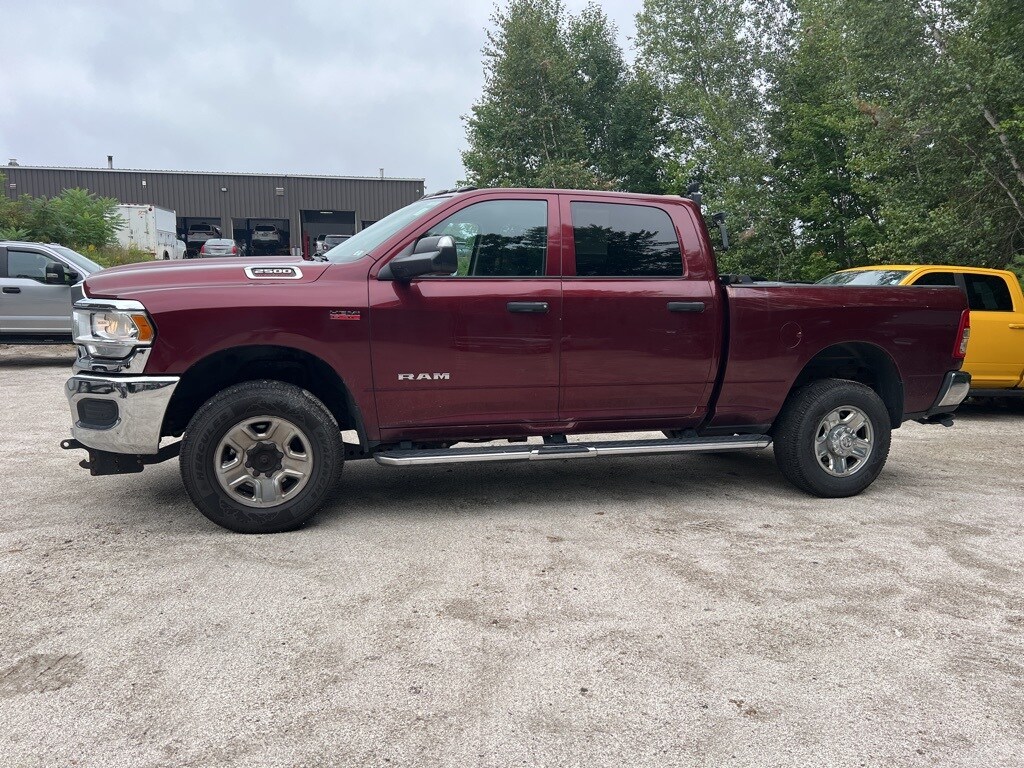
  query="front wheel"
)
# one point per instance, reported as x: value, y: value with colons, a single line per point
x: 832, y: 438
x: 261, y: 457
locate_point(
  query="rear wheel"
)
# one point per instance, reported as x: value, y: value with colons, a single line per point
x: 261, y: 457
x: 832, y: 438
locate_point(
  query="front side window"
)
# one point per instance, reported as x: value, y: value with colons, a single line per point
x: 498, y: 238
x: 28, y: 265
x: 614, y: 240
x: 988, y: 293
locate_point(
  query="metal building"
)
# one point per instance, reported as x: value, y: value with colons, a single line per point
x: 298, y: 207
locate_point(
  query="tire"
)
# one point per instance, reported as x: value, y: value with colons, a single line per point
x: 819, y: 424
x: 254, y: 426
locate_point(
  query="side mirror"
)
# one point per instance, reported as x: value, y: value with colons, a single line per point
x: 55, y: 275
x: 429, y: 256
x: 719, y: 219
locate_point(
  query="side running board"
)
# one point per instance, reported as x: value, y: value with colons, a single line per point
x: 415, y: 456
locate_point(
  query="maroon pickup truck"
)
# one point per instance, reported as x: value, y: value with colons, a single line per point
x: 477, y: 317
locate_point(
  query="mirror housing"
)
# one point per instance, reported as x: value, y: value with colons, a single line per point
x: 428, y: 256
x: 55, y: 275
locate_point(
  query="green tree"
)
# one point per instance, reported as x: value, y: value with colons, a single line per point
x: 560, y: 106
x: 715, y: 62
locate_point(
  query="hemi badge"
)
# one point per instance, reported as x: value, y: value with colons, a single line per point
x: 346, y: 314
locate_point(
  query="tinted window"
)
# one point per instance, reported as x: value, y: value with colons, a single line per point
x: 988, y: 293
x: 625, y: 241
x: 866, y: 277
x: 940, y: 279
x: 28, y: 265
x: 499, y: 238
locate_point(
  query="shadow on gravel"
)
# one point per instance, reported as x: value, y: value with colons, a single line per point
x: 1006, y: 409
x: 568, y: 488
x: 42, y: 356
x: 571, y: 488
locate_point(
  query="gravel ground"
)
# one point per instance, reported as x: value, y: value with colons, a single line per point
x: 691, y: 611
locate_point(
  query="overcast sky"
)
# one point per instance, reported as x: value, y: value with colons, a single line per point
x: 340, y: 88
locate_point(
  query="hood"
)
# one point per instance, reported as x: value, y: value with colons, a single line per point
x: 231, y: 271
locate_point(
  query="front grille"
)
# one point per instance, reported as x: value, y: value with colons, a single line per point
x: 94, y: 413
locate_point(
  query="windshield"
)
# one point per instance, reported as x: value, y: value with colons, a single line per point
x: 866, y: 277
x: 363, y: 242
x: 77, y: 259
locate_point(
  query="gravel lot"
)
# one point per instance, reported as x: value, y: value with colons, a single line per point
x: 691, y: 611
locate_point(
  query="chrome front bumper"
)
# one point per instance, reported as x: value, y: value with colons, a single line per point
x: 119, y: 415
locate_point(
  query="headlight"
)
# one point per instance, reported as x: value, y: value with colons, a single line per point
x: 112, y: 328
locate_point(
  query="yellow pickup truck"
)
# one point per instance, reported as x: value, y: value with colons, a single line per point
x: 995, y: 353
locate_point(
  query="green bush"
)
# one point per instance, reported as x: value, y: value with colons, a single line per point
x: 76, y: 218
x: 115, y: 255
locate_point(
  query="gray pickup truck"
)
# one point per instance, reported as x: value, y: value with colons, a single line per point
x: 36, y: 286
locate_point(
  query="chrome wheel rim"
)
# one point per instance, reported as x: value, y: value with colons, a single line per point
x: 263, y: 461
x: 844, y: 441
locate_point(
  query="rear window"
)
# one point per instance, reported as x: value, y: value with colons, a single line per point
x: 264, y: 228
x: 614, y: 240
x: 988, y: 293
x: 937, y: 280
x: 866, y: 277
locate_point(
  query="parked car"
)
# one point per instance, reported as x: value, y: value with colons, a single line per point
x: 180, y: 249
x: 266, y: 237
x: 37, y: 285
x: 622, y: 324
x: 995, y: 356
x: 199, y: 233
x: 219, y: 247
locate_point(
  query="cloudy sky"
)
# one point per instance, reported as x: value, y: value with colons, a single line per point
x: 308, y: 86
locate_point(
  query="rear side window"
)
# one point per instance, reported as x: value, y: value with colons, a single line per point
x: 937, y: 279
x: 988, y: 293
x: 625, y: 241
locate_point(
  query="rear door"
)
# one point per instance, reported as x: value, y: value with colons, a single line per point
x: 27, y: 303
x: 480, y: 347
x: 640, y: 332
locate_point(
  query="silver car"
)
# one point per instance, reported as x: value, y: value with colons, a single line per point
x: 219, y: 246
x: 36, y: 286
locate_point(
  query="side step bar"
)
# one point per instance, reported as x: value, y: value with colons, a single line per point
x: 416, y: 457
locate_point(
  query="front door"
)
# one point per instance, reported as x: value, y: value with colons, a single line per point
x: 28, y: 304
x: 477, y: 348
x: 640, y: 335
x: 995, y: 353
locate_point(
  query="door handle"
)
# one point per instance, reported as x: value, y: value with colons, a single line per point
x: 528, y: 307
x: 1017, y: 326
x: 12, y: 289
x: 686, y: 306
